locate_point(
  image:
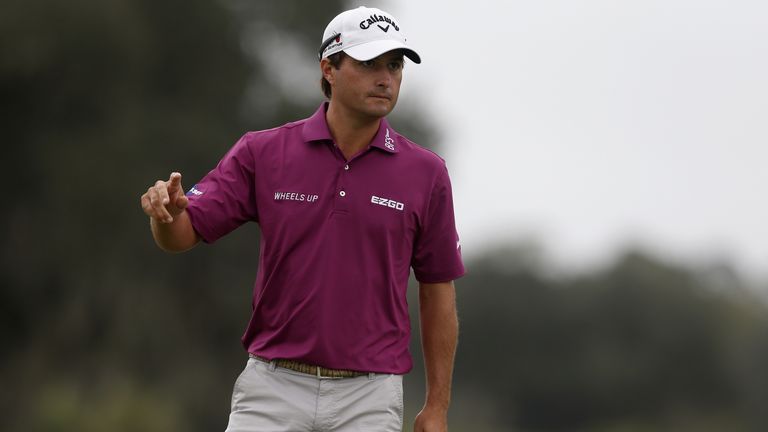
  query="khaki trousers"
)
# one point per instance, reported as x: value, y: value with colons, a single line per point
x: 269, y: 398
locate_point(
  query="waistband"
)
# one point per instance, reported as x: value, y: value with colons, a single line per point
x: 309, y: 369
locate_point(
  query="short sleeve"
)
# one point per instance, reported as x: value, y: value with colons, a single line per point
x: 437, y: 251
x: 224, y: 199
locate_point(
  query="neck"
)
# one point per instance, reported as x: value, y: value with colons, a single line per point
x: 352, y: 132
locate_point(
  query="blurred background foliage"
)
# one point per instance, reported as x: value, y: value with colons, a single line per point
x: 103, y: 332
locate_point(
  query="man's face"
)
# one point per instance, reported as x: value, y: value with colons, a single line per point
x: 369, y: 88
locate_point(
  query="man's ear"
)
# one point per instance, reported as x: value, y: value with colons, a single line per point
x: 326, y: 68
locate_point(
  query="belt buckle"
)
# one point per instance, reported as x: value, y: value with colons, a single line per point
x: 319, y: 375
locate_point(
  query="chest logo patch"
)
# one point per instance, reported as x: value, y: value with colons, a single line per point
x: 296, y: 196
x: 385, y: 202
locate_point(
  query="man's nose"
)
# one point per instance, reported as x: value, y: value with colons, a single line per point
x: 383, y: 77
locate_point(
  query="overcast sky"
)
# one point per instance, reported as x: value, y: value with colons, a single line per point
x: 593, y: 124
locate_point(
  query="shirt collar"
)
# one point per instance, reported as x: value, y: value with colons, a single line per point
x: 386, y: 138
x: 316, y: 129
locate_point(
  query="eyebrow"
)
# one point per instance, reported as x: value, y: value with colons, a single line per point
x: 399, y: 58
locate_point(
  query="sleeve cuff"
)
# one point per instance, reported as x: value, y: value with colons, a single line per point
x: 439, y: 277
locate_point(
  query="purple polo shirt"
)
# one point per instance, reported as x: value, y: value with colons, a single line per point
x: 338, y: 239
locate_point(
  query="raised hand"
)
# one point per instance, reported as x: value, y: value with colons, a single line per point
x: 165, y: 200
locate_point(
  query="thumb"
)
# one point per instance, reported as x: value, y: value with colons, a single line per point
x: 182, y: 202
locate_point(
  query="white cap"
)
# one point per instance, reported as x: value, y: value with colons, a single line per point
x: 364, y: 33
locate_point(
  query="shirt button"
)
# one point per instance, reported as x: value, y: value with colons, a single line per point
x: 342, y: 193
x: 346, y: 167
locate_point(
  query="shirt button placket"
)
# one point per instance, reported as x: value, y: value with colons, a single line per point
x: 342, y: 199
x: 343, y: 193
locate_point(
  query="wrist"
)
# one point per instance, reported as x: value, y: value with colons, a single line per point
x: 436, y: 407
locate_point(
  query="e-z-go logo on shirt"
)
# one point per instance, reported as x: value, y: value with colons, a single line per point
x: 387, y: 203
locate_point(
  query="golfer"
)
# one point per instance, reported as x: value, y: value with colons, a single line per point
x: 346, y: 207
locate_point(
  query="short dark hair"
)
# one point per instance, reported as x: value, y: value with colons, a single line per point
x: 335, y: 61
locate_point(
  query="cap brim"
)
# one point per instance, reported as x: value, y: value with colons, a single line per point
x: 371, y: 50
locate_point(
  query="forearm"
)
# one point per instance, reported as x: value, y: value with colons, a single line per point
x: 177, y: 236
x: 439, y: 335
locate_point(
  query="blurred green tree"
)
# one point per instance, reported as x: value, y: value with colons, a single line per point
x: 641, y: 346
x: 99, y: 99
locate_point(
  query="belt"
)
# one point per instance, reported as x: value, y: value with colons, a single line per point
x: 309, y: 369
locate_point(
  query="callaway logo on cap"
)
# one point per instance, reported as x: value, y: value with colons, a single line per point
x: 364, y: 33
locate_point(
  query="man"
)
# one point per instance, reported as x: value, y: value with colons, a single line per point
x: 346, y: 207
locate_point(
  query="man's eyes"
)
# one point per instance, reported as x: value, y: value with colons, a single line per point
x: 395, y: 66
